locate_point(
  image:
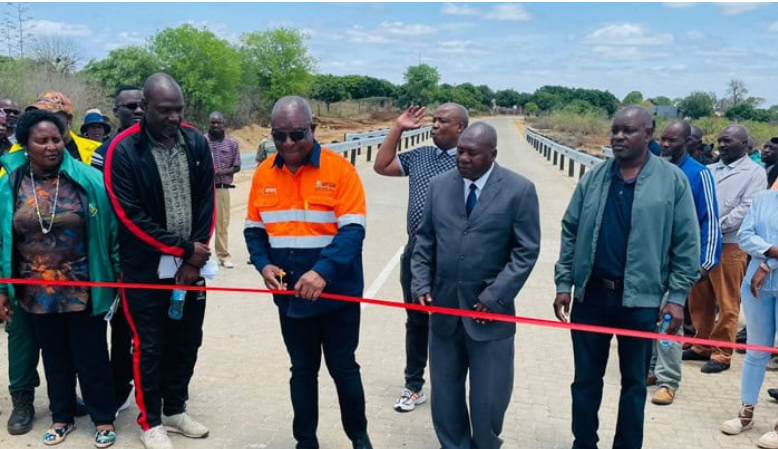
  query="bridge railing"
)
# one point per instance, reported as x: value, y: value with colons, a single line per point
x: 360, y: 142
x: 558, y: 154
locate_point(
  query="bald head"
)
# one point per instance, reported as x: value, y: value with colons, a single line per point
x: 448, y: 122
x: 481, y: 133
x: 292, y: 130
x: 457, y: 113
x: 638, y: 112
x: 163, y: 102
x: 631, y: 131
x: 476, y: 151
x: 160, y: 83
x: 293, y: 104
x: 216, y: 115
x: 733, y: 143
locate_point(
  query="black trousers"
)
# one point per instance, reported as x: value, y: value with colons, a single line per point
x: 121, y: 356
x: 164, y: 351
x: 590, y: 351
x: 417, y: 329
x: 337, y: 334
x: 75, y: 344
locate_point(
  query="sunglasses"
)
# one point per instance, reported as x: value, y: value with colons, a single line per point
x: 132, y: 106
x: 296, y: 136
x: 11, y: 111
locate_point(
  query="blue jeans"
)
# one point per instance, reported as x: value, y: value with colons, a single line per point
x: 761, y: 318
x: 604, y: 308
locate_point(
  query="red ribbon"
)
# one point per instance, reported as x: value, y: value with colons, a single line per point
x: 418, y: 307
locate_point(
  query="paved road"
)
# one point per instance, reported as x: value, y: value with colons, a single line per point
x: 240, y: 387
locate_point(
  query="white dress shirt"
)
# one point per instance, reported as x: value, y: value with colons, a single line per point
x: 479, y: 184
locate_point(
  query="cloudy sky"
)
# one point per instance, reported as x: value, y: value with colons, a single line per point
x: 658, y: 48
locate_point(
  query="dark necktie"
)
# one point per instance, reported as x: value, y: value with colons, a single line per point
x: 471, y: 200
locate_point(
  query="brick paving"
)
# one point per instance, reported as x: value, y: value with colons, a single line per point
x: 240, y: 387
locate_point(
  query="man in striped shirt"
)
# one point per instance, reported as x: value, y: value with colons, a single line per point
x: 226, y: 161
x: 674, y: 140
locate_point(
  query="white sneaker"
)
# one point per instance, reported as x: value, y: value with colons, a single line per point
x: 409, y: 400
x: 228, y: 264
x: 768, y: 440
x: 156, y: 438
x: 183, y: 424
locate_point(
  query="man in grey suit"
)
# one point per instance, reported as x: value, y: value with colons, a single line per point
x: 477, y: 244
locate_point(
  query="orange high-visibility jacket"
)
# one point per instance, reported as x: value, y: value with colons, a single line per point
x: 311, y: 220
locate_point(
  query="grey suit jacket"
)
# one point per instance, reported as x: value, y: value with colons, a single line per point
x: 486, y: 257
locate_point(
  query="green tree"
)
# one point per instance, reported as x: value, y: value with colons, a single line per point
x: 421, y: 84
x: 206, y: 67
x: 369, y: 87
x: 123, y: 66
x: 508, y: 98
x: 546, y: 100
x: 661, y: 101
x: 531, y: 108
x: 745, y: 111
x: 329, y: 89
x: 634, y: 97
x: 276, y: 63
x: 583, y: 107
x: 698, y: 104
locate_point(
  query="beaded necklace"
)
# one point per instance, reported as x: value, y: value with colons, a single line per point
x: 44, y: 230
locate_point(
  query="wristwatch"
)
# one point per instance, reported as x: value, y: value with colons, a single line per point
x: 765, y: 267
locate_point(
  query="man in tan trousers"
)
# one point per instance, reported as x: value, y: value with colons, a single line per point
x: 226, y: 161
x: 738, y: 180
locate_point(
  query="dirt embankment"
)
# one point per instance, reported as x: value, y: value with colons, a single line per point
x: 329, y: 129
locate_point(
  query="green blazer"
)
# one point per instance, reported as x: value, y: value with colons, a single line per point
x: 101, y: 230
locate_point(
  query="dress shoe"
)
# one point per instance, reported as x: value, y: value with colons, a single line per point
x: 714, y: 366
x: 689, y: 354
x: 650, y: 380
x: 663, y: 396
x: 23, y: 413
x: 773, y: 392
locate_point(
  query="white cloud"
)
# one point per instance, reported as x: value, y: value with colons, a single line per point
x: 627, y: 34
x: 774, y: 27
x: 460, y: 10
x: 508, y: 11
x: 679, y: 5
x: 733, y: 8
x: 358, y: 35
x: 125, y: 38
x: 456, y: 47
x: 49, y: 28
x: 388, y: 32
x: 401, y: 29
x: 623, y: 53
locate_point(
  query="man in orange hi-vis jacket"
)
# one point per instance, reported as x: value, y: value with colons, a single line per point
x: 304, y: 232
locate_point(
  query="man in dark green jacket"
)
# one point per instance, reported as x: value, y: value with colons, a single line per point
x: 629, y: 236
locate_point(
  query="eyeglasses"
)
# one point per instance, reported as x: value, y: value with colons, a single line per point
x: 11, y: 111
x: 131, y: 106
x: 280, y: 136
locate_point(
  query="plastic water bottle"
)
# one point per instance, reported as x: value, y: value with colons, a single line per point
x: 177, y: 298
x: 666, y: 319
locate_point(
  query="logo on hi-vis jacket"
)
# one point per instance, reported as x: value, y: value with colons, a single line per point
x: 324, y: 187
x: 269, y: 190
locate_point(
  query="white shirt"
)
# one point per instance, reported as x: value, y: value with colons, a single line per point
x: 479, y: 184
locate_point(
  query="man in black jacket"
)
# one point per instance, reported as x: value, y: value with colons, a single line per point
x: 159, y: 175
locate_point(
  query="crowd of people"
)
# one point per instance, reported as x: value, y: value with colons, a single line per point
x: 663, y: 231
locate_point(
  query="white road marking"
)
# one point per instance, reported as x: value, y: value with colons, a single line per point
x: 379, y: 281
